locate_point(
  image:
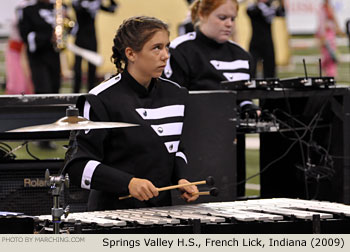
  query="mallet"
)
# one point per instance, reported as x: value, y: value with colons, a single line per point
x: 213, y: 192
x: 209, y: 181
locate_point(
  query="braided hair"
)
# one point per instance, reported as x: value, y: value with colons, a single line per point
x: 134, y: 33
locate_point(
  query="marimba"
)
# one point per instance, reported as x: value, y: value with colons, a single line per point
x: 281, y: 215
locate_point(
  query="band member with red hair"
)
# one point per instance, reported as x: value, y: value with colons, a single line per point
x: 202, y: 59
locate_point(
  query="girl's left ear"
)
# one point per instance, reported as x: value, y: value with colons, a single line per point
x: 130, y: 54
x: 201, y: 18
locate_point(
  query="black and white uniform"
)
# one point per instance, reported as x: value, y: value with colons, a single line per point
x: 200, y: 63
x: 106, y: 160
x: 85, y: 32
x: 261, y: 44
x: 36, y: 25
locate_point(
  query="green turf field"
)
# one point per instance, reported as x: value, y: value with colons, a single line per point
x: 252, y: 168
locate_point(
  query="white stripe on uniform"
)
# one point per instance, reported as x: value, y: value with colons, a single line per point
x: 162, y: 112
x: 172, y: 146
x: 236, y: 76
x: 230, y: 65
x: 31, y: 42
x: 168, y: 129
x: 181, y: 155
x: 87, y: 174
x: 168, y: 71
x: 183, y: 38
x: 104, y: 85
x: 96, y: 90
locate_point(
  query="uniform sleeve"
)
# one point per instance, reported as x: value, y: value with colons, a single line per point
x: 261, y: 9
x: 76, y: 5
x: 253, y: 10
x: 180, y: 164
x: 34, y: 39
x: 280, y: 11
x: 86, y: 167
x: 111, y: 8
x: 177, y: 68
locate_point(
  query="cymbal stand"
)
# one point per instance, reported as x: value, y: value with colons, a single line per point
x: 57, y: 184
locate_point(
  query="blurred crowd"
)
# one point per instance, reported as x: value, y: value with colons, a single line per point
x: 34, y: 63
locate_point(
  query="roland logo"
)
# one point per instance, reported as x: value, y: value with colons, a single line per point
x: 35, y: 182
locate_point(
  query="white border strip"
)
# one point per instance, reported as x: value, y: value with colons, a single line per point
x: 88, y: 172
x: 236, y: 76
x: 31, y: 41
x: 168, y: 129
x: 230, y: 65
x: 181, y: 155
x: 163, y: 112
x: 172, y: 146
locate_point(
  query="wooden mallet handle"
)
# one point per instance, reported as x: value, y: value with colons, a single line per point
x: 181, y: 185
x: 208, y: 181
x: 213, y: 192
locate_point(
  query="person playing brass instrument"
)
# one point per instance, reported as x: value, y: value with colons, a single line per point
x: 36, y: 25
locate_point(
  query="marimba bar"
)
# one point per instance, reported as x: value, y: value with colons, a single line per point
x: 280, y: 215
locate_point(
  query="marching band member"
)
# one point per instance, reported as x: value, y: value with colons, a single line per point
x: 261, y: 45
x: 202, y: 59
x: 136, y: 160
x: 36, y: 25
x: 85, y: 32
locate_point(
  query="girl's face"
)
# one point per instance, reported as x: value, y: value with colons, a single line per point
x: 151, y: 60
x: 218, y: 25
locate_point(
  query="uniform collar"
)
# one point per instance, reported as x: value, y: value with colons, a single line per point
x: 137, y: 87
x: 208, y: 41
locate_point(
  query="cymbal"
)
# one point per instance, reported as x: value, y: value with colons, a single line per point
x: 69, y: 123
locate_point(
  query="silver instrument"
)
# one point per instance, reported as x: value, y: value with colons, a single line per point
x: 220, y: 213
